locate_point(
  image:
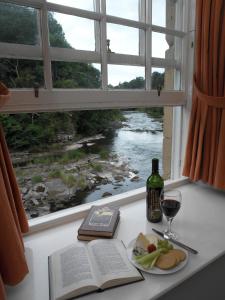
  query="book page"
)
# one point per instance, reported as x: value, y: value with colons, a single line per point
x: 71, y: 270
x: 111, y: 263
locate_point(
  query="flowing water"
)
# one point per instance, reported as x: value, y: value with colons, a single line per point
x: 137, y: 142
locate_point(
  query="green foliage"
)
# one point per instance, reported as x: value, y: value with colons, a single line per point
x: 154, y: 112
x: 104, y: 154
x: 157, y: 80
x: 72, y: 155
x: 96, y: 167
x: 137, y: 83
x: 36, y: 179
x: 55, y: 173
x: 18, y: 24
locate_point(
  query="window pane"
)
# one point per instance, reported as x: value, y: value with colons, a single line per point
x: 166, y: 78
x: 166, y: 46
x: 21, y: 73
x: 159, y: 12
x: 171, y: 13
x: 18, y: 24
x: 69, y: 158
x: 71, y: 32
x: 125, y: 9
x: 87, y: 4
x: 158, y: 75
x: 159, y: 45
x: 76, y: 75
x: 126, y: 77
x: 123, y: 39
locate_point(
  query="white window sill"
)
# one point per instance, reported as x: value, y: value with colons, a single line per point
x: 78, y: 212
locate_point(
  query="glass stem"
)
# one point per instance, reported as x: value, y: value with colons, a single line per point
x: 169, y: 224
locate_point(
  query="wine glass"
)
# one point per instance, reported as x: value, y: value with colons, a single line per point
x: 170, y: 202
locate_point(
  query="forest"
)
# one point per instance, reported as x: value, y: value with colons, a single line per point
x: 24, y: 131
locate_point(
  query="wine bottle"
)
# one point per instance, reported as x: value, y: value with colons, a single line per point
x: 154, y: 187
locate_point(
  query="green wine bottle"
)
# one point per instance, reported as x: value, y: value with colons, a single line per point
x: 154, y: 187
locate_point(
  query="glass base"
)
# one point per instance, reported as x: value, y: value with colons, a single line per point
x: 170, y: 234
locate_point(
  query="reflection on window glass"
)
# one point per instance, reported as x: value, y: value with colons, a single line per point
x: 18, y: 24
x: 75, y: 75
x: 159, y: 45
x: 125, y: 9
x: 166, y: 46
x: 64, y: 159
x: 21, y: 73
x: 66, y: 31
x: 123, y: 39
x: 158, y: 75
x: 126, y: 77
x: 81, y: 4
x: 159, y: 12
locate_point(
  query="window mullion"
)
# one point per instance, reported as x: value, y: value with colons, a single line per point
x: 46, y: 47
x: 148, y: 45
x: 103, y: 46
x: 97, y: 7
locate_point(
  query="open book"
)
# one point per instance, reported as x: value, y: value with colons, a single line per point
x: 83, y: 268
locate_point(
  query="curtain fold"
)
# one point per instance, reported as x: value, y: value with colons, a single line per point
x: 204, y: 158
x: 13, y: 221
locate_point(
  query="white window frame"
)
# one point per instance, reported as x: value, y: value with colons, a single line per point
x: 50, y: 99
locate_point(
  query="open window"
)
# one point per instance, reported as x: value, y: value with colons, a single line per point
x: 71, y: 61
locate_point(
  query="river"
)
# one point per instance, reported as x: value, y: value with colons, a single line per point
x: 136, y: 142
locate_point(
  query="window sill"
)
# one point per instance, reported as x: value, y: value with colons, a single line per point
x: 79, y: 212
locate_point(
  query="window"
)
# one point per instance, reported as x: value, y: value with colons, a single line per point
x: 84, y: 57
x: 78, y: 32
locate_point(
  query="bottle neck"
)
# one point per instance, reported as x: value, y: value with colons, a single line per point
x: 155, y: 166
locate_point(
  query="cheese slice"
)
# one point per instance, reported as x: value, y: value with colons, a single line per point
x: 142, y: 242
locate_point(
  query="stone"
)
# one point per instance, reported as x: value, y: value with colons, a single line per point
x: 106, y: 194
x: 39, y: 188
x: 34, y: 214
x: 35, y: 201
x: 24, y: 190
x: 135, y: 178
x: 119, y: 178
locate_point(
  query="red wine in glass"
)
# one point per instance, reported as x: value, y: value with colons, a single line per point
x: 170, y: 207
x: 170, y: 202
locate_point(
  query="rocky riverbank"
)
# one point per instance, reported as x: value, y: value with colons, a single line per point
x: 51, y: 187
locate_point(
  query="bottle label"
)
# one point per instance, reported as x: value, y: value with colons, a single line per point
x: 154, y: 213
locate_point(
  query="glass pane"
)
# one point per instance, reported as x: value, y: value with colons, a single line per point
x: 159, y: 45
x: 172, y: 79
x: 21, y: 73
x: 168, y: 13
x: 166, y: 46
x: 125, y: 9
x: 158, y: 75
x: 126, y: 77
x: 123, y: 39
x: 87, y: 4
x: 71, y: 32
x: 76, y: 75
x: 64, y: 159
x: 166, y: 78
x: 18, y: 24
x: 159, y: 12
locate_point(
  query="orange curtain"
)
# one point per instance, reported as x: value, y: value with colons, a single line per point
x: 13, y: 221
x: 205, y: 158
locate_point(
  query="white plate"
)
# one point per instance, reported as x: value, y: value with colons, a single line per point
x: 155, y: 270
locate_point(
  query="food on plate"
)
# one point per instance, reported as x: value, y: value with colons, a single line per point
x: 142, y: 243
x: 166, y: 261
x: 150, y: 251
x: 151, y: 248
